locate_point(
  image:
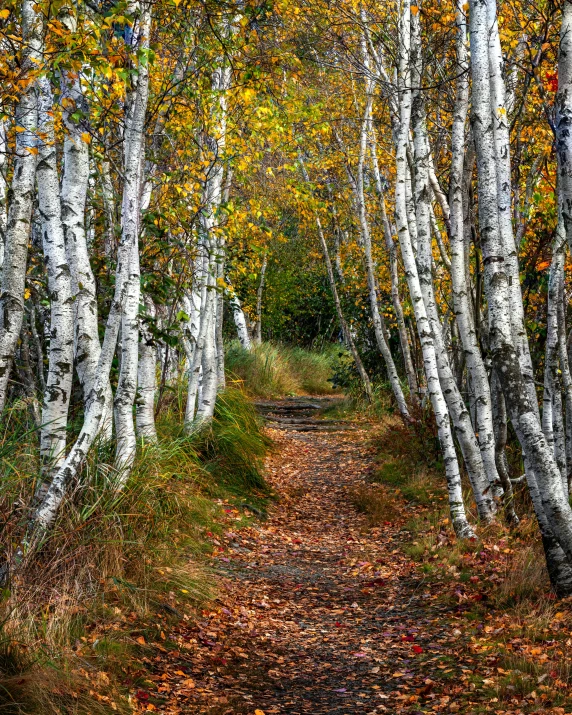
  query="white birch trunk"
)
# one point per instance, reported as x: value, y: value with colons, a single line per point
x: 21, y: 198
x: 563, y: 119
x: 221, y: 376
x: 551, y: 354
x: 134, y: 153
x: 551, y: 505
x: 195, y: 367
x: 60, y: 351
x: 500, y: 428
x: 458, y: 515
x: 207, y: 397
x: 239, y: 318
x: 257, y: 338
x: 394, y: 276
x: 47, y: 510
x: 146, y: 377
x: 3, y: 189
x: 459, y: 414
x: 566, y: 384
x: 87, y: 346
x: 461, y: 298
x: 357, y: 185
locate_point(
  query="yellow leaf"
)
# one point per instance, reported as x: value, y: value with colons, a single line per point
x: 19, y: 129
x: 140, y: 640
x: 27, y: 294
x: 86, y: 137
x: 414, y: 9
x: 32, y: 149
x: 258, y: 712
x: 4, y: 14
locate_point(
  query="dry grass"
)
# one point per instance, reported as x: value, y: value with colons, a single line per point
x: 525, y: 578
x: 376, y: 503
x: 269, y: 370
x: 114, y: 560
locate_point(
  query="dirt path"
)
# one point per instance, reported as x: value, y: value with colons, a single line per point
x: 317, y: 613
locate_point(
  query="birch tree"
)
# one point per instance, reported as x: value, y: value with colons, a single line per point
x: 544, y: 479
x: 19, y: 212
x: 456, y: 505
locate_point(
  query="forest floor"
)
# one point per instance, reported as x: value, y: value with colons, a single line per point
x: 320, y: 610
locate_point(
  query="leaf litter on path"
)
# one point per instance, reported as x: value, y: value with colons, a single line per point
x: 318, y: 612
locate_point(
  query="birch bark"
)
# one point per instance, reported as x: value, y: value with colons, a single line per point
x: 459, y: 414
x: 60, y: 352
x: 3, y: 189
x: 357, y: 185
x: 19, y: 217
x: 461, y: 301
x: 133, y: 163
x: 146, y: 376
x: 563, y: 119
x: 87, y: 346
x: 239, y: 318
x: 394, y: 276
x: 551, y: 506
x: 458, y: 515
x: 259, y: 294
x: 47, y: 510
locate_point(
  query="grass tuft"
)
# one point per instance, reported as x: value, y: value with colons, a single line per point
x: 270, y: 370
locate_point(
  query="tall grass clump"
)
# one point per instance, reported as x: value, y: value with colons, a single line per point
x: 115, y: 559
x: 269, y: 370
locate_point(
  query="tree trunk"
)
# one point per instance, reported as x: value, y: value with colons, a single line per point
x: 394, y: 276
x: 60, y: 351
x: 259, y: 293
x: 461, y: 302
x: 551, y: 506
x: 459, y: 414
x: 21, y: 199
x: 146, y: 376
x: 458, y: 515
x: 134, y: 133
x: 87, y: 346
x: 357, y: 185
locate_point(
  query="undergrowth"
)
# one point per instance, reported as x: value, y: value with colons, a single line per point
x: 117, y: 563
x: 496, y: 584
x: 270, y: 370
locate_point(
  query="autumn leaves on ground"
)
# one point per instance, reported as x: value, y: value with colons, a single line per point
x: 353, y: 596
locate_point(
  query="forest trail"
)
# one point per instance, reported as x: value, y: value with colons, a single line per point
x: 317, y: 612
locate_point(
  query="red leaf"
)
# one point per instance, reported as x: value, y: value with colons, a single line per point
x: 417, y: 649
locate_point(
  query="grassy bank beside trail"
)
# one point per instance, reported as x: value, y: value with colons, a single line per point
x: 495, y: 587
x: 77, y: 619
x: 272, y: 370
